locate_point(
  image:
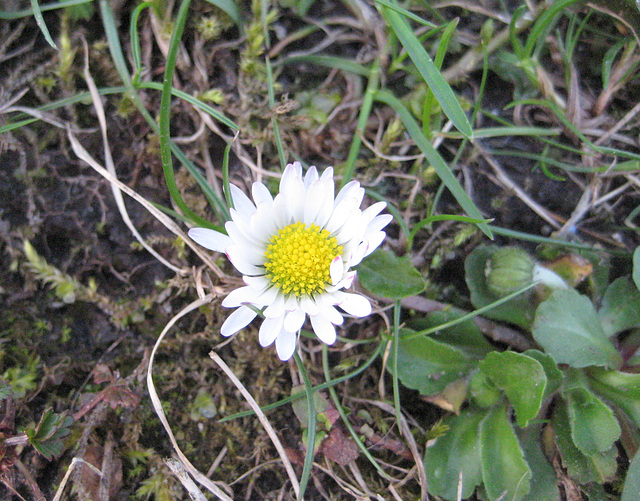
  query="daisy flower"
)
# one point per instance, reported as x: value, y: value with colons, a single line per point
x: 295, y: 252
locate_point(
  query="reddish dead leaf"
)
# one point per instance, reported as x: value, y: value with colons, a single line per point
x: 102, y: 374
x: 339, y: 448
x: 119, y: 395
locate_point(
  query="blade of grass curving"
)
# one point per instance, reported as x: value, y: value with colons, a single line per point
x: 542, y: 26
x: 118, y: 59
x: 157, y: 405
x: 230, y: 7
x: 345, y: 419
x: 363, y: 117
x: 432, y: 76
x: 394, y: 6
x: 311, y: 427
x: 43, y: 8
x: 434, y: 158
x: 194, y: 101
x: 135, y: 39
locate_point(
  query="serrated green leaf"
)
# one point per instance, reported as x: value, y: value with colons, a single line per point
x: 518, y: 311
x: 505, y: 473
x: 594, y: 428
x: 620, y: 308
x: 385, y: 274
x: 427, y: 365
x: 522, y: 378
x: 455, y: 455
x: 567, y: 326
x: 47, y: 435
x: 583, y: 468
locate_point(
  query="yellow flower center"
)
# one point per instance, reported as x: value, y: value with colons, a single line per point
x: 299, y: 257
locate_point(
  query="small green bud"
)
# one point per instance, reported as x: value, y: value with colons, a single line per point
x: 508, y: 269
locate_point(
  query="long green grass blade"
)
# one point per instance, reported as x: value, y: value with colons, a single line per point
x: 43, y: 8
x: 394, y: 6
x: 421, y: 59
x: 37, y: 13
x: 434, y: 158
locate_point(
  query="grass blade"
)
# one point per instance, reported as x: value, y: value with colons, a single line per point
x: 421, y: 59
x: 37, y: 13
x: 441, y: 168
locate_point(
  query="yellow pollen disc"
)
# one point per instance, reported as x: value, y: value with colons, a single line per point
x: 299, y: 257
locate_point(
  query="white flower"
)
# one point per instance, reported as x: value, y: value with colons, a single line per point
x: 295, y: 252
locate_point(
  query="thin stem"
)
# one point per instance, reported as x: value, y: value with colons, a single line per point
x: 311, y: 428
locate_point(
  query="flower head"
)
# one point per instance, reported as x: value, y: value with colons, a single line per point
x: 295, y: 252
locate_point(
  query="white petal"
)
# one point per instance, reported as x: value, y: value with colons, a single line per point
x: 336, y: 269
x: 239, y: 296
x: 373, y: 210
x: 276, y: 308
x: 310, y: 177
x: 286, y: 345
x: 312, y: 202
x: 293, y: 320
x: 239, y: 319
x: 241, y: 202
x: 210, y: 239
x: 379, y: 222
x: 332, y: 315
x: 260, y: 283
x: 309, y: 305
x: 348, y: 190
x: 238, y: 236
x: 373, y: 242
x: 344, y: 283
x: 251, y: 254
x: 355, y: 304
x: 244, y: 267
x: 261, y: 194
x: 324, y: 329
x: 264, y: 223
x: 269, y: 331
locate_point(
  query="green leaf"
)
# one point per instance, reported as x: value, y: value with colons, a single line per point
x: 427, y: 365
x: 543, y: 476
x: 455, y: 455
x: 620, y: 309
x: 554, y: 375
x: 522, y: 378
x: 465, y: 335
x: 438, y: 85
x: 594, y: 428
x: 47, y: 436
x: 230, y: 7
x: 385, y: 274
x: 636, y: 267
x: 632, y: 482
x: 518, y: 311
x: 584, y: 468
x: 567, y: 326
x: 620, y: 388
x: 505, y: 473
